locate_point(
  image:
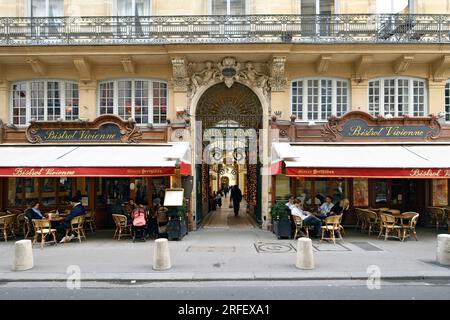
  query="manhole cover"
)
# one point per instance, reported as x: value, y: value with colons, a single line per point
x: 210, y: 249
x: 274, y: 247
x: 366, y: 246
x: 330, y: 247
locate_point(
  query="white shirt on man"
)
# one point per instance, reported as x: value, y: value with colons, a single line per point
x: 299, y: 213
x: 290, y: 205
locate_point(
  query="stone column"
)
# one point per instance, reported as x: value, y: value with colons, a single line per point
x: 23, y: 255
x: 88, y: 100
x: 443, y: 249
x: 436, y: 97
x: 359, y: 96
x: 4, y: 101
x: 305, y: 257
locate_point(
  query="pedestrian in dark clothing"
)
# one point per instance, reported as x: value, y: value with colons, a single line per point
x: 236, y: 197
x: 77, y: 210
x: 225, y: 191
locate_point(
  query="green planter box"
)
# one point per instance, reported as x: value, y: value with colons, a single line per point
x: 282, y: 228
x: 176, y: 229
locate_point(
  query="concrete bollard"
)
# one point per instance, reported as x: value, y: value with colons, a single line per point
x: 161, y: 255
x: 443, y: 249
x: 23, y: 255
x: 305, y: 258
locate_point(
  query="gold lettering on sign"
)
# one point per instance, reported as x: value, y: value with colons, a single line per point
x: 429, y: 173
x: 359, y: 131
x: 401, y: 132
x: 36, y: 172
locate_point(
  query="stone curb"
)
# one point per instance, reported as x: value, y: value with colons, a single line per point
x: 187, y: 277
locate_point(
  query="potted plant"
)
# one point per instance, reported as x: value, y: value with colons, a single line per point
x: 280, y: 220
x: 176, y: 226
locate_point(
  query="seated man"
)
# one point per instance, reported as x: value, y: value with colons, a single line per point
x: 325, y: 208
x: 308, y: 218
x: 290, y: 203
x: 77, y: 210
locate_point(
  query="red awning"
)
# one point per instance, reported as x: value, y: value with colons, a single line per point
x: 95, y: 161
x: 415, y: 173
x: 414, y: 161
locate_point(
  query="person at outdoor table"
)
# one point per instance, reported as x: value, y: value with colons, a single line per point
x: 340, y: 207
x: 76, y: 210
x: 307, y: 217
x: 325, y: 208
x: 34, y: 212
x: 290, y: 203
x: 128, y: 210
x: 152, y: 219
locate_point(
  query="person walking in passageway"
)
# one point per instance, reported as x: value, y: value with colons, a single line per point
x: 236, y: 197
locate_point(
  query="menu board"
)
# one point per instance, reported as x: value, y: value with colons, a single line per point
x: 173, y: 197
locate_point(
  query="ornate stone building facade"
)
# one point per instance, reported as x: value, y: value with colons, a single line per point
x: 287, y: 66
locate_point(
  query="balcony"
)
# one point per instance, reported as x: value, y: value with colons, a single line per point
x: 156, y: 30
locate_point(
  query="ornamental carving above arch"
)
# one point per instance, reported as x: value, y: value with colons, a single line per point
x: 191, y: 76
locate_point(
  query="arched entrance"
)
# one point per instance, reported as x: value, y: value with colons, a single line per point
x: 230, y: 121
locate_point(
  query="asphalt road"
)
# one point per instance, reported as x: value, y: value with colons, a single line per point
x: 231, y: 290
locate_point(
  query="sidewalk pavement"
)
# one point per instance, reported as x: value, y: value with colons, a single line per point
x: 231, y: 254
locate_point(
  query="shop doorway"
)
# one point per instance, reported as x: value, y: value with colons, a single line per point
x: 401, y: 194
x: 230, y: 122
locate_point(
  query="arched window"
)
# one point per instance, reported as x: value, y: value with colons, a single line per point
x: 44, y: 100
x: 397, y: 96
x: 316, y: 99
x: 143, y: 100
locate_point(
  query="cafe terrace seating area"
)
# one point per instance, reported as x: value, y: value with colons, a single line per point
x: 384, y: 223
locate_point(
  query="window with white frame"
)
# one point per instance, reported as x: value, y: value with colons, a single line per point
x: 397, y: 96
x: 447, y: 101
x: 46, y: 8
x: 228, y: 7
x: 44, y: 100
x: 143, y: 100
x: 316, y: 99
x: 394, y: 6
x: 131, y: 7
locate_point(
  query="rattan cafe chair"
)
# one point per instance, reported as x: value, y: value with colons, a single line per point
x: 90, y: 220
x: 77, y: 228
x: 331, y: 226
x: 299, y: 227
x: 409, y: 227
x: 43, y: 228
x: 122, y: 227
x: 389, y: 225
x: 7, y: 223
x: 437, y: 216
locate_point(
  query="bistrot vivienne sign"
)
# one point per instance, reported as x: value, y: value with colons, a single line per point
x: 85, y: 172
x: 412, y: 173
x: 107, y: 128
x: 361, y: 126
x: 357, y: 128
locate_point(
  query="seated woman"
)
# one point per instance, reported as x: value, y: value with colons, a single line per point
x: 139, y: 222
x: 340, y: 207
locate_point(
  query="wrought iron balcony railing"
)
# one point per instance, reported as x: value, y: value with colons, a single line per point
x: 360, y: 28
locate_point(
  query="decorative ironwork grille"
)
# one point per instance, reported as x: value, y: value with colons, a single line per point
x: 123, y: 30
